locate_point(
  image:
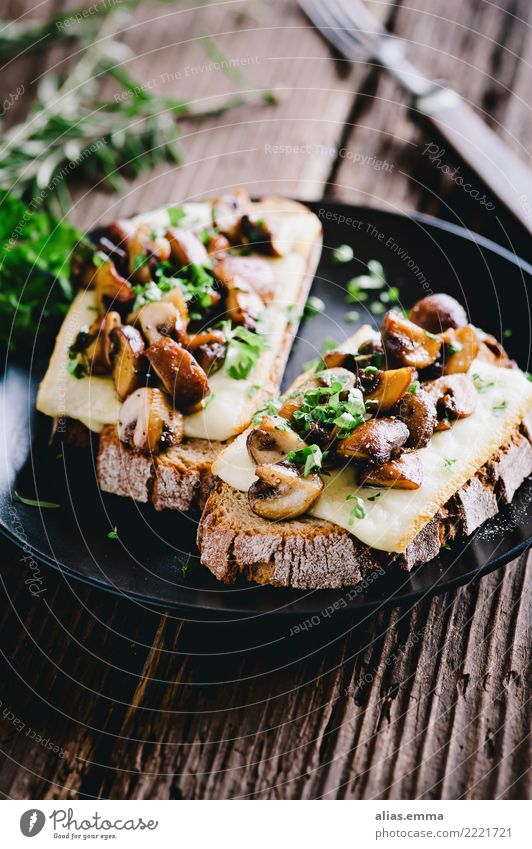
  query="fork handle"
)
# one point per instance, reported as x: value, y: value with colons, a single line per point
x: 509, y: 179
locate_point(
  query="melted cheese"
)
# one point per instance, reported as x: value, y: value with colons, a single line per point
x: 396, y: 516
x: 232, y: 403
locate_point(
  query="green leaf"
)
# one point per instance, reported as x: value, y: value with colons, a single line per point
x: 358, y: 511
x: 34, y: 502
x: 113, y: 534
x: 311, y: 456
x: 343, y: 254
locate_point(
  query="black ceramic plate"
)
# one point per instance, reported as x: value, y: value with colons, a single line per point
x: 420, y: 255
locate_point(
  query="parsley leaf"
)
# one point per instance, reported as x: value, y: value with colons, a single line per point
x: 449, y: 462
x: 481, y: 384
x: 113, y: 534
x: 358, y: 511
x: 244, y: 350
x: 175, y: 215
x: 310, y: 455
x: 342, y: 254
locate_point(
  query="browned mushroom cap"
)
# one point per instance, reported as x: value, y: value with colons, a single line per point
x: 186, y: 247
x: 100, y: 348
x: 418, y: 411
x: 347, y: 360
x: 161, y: 318
x: 218, y: 245
x: 282, y: 493
x: 257, y: 274
x: 208, y: 349
x: 227, y: 212
x: 111, y: 288
x: 148, y: 422
x: 491, y: 351
x: 436, y: 313
x: 406, y: 344
x: 127, y: 360
x: 375, y: 440
x: 463, y: 343
x: 267, y: 235
x: 454, y: 395
x: 180, y: 374
x: 271, y: 440
x: 176, y: 297
x: 144, y: 247
x: 406, y: 472
x: 390, y: 388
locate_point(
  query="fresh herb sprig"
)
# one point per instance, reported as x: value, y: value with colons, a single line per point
x: 71, y: 131
x: 35, y: 290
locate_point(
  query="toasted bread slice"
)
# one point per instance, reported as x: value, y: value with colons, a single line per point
x: 180, y: 479
x: 311, y: 553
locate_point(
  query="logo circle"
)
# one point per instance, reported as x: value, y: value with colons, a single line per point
x: 32, y: 822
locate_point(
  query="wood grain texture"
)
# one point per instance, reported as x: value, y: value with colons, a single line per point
x: 429, y: 702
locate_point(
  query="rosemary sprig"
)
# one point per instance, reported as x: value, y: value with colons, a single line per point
x: 69, y: 131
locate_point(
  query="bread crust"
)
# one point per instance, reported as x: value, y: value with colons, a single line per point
x: 311, y: 553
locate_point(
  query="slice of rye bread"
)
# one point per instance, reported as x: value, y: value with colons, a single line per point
x: 311, y: 553
x: 180, y: 478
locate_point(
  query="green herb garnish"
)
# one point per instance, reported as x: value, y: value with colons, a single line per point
x: 449, y: 462
x: 35, y: 502
x: 358, y: 511
x: 176, y: 215
x: 342, y: 254
x: 481, y: 384
x: 311, y: 456
x: 313, y: 307
x: 35, y: 253
x: 244, y: 350
x: 414, y: 386
x: 500, y: 408
x: 270, y: 408
x: 113, y: 534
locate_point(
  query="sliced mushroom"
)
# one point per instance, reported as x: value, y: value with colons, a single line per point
x: 454, y: 395
x: 243, y: 308
x: 376, y: 440
x: 176, y: 297
x: 269, y: 442
x: 257, y: 274
x: 111, y: 288
x: 127, y: 360
x: 208, y: 349
x: 148, y: 422
x: 437, y: 313
x: 464, y: 343
x: 406, y: 472
x: 347, y: 360
x: 186, y: 247
x: 227, y: 212
x: 218, y: 245
x: 391, y: 386
x: 406, y: 344
x: 145, y: 248
x: 491, y: 351
x: 161, y: 318
x: 99, y: 350
x: 418, y: 411
x: 266, y: 235
x: 282, y: 493
x: 181, y: 376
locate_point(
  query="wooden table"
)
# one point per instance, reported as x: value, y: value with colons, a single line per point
x: 103, y: 698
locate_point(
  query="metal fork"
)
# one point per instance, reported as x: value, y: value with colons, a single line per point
x: 357, y: 35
